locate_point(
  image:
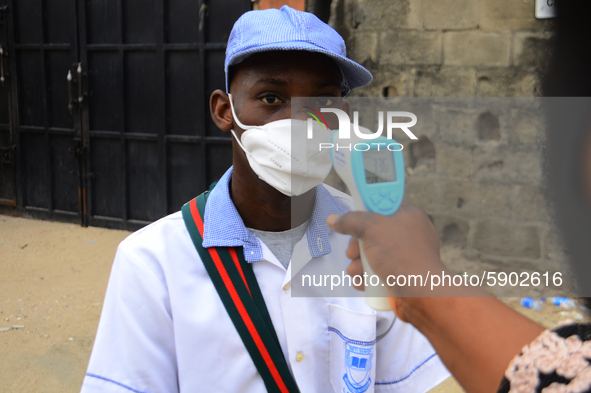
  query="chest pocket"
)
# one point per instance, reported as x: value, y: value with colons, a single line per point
x: 352, y: 350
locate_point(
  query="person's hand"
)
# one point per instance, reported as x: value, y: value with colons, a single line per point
x: 405, y: 243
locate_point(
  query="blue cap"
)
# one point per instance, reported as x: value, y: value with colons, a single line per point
x: 289, y: 29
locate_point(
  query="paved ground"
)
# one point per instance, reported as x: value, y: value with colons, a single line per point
x: 53, y: 278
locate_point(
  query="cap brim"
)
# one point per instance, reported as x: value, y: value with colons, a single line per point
x: 355, y: 74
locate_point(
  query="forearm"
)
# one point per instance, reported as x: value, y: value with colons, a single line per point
x: 475, y: 337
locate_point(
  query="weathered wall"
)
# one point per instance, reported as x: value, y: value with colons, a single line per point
x: 428, y: 48
x: 480, y: 176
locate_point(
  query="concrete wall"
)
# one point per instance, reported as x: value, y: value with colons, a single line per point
x: 480, y: 177
x: 440, y: 48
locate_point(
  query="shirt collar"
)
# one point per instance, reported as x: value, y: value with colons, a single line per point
x: 223, y: 226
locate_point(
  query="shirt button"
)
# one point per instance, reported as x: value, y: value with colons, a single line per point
x: 286, y: 286
x: 299, y: 356
x: 252, y: 253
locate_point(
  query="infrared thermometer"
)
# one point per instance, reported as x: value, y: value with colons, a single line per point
x: 373, y: 170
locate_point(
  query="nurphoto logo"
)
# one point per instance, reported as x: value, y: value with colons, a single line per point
x: 392, y: 123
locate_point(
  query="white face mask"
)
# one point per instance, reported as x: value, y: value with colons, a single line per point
x: 282, y: 156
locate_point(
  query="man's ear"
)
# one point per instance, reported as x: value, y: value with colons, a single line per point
x: 221, y: 113
x: 347, y: 107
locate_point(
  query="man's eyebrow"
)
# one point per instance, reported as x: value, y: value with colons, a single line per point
x: 272, y: 81
x: 325, y: 83
x: 282, y: 82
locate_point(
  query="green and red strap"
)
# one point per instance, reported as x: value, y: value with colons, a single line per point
x: 239, y: 291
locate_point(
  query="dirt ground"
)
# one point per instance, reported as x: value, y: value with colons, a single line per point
x: 53, y: 278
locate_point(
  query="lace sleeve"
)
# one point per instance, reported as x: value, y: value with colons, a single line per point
x: 555, y: 362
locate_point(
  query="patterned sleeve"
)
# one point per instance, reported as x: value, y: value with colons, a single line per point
x: 555, y: 362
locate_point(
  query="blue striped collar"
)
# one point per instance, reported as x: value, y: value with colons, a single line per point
x: 223, y: 226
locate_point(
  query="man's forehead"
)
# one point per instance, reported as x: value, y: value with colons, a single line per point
x: 280, y: 67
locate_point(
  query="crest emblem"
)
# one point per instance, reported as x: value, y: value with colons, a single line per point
x: 358, y: 368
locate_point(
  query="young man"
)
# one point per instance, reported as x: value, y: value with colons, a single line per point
x: 165, y: 328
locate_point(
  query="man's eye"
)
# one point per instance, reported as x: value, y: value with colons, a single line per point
x: 270, y: 100
x: 324, y: 101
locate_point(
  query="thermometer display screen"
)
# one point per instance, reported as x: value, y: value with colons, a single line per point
x: 379, y: 166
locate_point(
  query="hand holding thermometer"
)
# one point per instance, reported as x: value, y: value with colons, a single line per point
x: 373, y: 169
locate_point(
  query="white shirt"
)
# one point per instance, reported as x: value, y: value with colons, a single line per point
x: 164, y: 328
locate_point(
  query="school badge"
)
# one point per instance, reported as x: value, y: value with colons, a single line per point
x: 357, y: 377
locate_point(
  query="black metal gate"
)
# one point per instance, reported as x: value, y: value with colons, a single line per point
x: 8, y: 187
x: 104, y: 116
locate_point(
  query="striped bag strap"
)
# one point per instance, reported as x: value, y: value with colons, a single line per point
x: 239, y: 291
